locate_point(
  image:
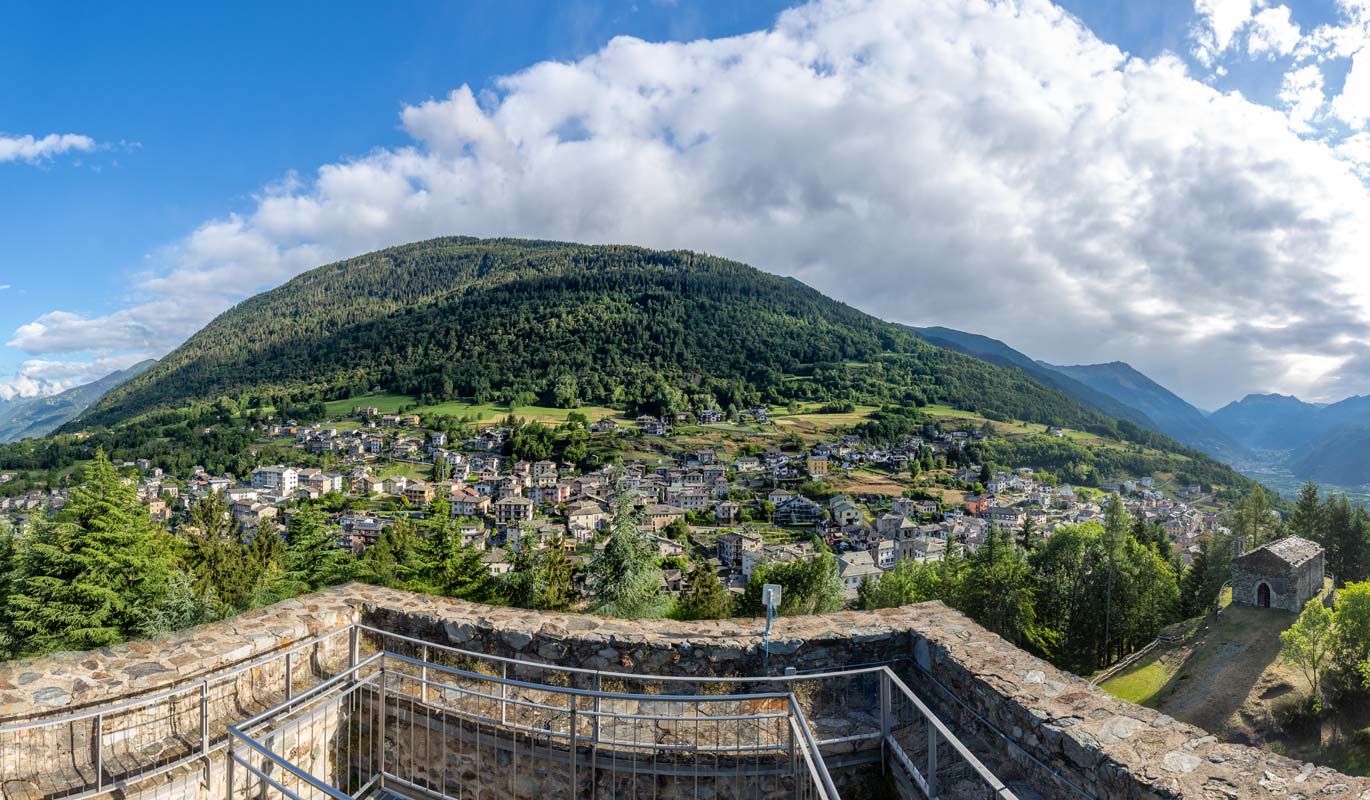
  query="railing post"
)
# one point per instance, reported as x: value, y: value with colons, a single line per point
x: 289, y: 676
x: 99, y: 751
x: 886, y: 722
x: 380, y: 745
x: 204, y: 718
x: 572, y: 701
x: 932, y: 760
x: 504, y: 693
x: 794, y: 765
x: 423, y: 676
x: 353, y: 647
x: 594, y: 732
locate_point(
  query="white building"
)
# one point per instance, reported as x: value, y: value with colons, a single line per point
x: 278, y: 479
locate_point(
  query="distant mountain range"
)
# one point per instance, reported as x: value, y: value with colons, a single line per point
x: 1115, y: 389
x: 25, y: 417
x: 1325, y: 443
x: 1171, y: 414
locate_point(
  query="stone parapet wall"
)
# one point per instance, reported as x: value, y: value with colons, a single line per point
x: 1111, y: 748
x: 67, y: 682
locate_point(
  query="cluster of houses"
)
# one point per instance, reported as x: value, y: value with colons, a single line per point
x: 741, y: 510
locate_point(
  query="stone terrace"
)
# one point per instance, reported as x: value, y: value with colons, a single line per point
x: 1111, y: 748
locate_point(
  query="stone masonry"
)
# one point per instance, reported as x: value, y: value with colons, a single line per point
x: 1110, y: 748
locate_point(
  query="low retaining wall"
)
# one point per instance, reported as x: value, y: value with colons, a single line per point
x: 1110, y: 748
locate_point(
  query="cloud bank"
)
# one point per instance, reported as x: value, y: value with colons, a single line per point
x: 40, y: 377
x: 991, y: 166
x: 31, y: 150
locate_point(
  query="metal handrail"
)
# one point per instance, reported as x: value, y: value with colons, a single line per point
x: 210, y: 745
x: 628, y: 676
x: 996, y: 785
x: 811, y: 755
x: 683, y: 698
x: 284, y: 764
x: 571, y: 737
x: 277, y: 785
x: 346, y: 674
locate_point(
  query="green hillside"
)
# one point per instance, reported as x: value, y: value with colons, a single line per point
x: 567, y: 324
x: 460, y: 323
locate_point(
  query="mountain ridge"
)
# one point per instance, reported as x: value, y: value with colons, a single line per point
x: 1103, y: 387
x: 38, y: 416
x: 1172, y: 414
x: 459, y: 316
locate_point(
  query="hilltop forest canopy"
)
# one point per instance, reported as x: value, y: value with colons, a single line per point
x: 571, y: 324
x: 522, y: 322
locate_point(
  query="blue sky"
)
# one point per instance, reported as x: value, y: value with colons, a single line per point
x: 224, y: 149
x: 201, y: 105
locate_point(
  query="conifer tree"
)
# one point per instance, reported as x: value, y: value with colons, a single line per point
x: 996, y: 591
x: 705, y: 597
x: 395, y: 559
x: 1029, y: 534
x: 1308, y: 518
x: 554, y: 590
x: 518, y: 586
x: 314, y: 557
x: 625, y: 576
x: 220, y: 563
x: 447, y: 568
x: 87, y: 578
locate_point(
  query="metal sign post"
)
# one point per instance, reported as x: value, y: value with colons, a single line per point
x: 770, y: 598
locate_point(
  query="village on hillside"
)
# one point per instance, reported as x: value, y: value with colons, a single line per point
x: 704, y: 487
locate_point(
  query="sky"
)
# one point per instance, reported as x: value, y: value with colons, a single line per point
x: 1181, y: 185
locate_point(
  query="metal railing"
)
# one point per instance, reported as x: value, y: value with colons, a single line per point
x: 453, y: 733
x: 855, y: 716
x: 852, y: 700
x: 115, y: 747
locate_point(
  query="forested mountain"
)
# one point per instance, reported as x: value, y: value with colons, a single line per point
x: 1270, y: 421
x: 36, y: 416
x: 1337, y: 456
x: 523, y: 322
x: 1171, y: 414
x: 997, y: 352
x: 565, y: 323
x: 1114, y: 389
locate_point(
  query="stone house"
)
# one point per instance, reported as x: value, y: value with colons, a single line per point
x: 1286, y: 574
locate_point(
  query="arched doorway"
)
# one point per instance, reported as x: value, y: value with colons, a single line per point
x: 1263, y: 596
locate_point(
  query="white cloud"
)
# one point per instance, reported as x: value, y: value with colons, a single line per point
x: 4, y: 286
x: 1356, y: 149
x: 1302, y: 96
x: 1353, y: 104
x: 986, y: 165
x: 1273, y: 33
x: 1219, y: 22
x: 41, y: 377
x: 31, y: 150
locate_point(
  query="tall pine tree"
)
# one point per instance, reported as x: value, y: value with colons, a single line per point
x: 705, y: 597
x: 314, y: 557
x: 91, y: 576
x: 625, y: 576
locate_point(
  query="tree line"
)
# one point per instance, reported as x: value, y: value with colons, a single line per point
x: 1082, y: 598
x: 100, y: 570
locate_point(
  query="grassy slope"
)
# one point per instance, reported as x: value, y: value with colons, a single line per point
x: 1226, y: 677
